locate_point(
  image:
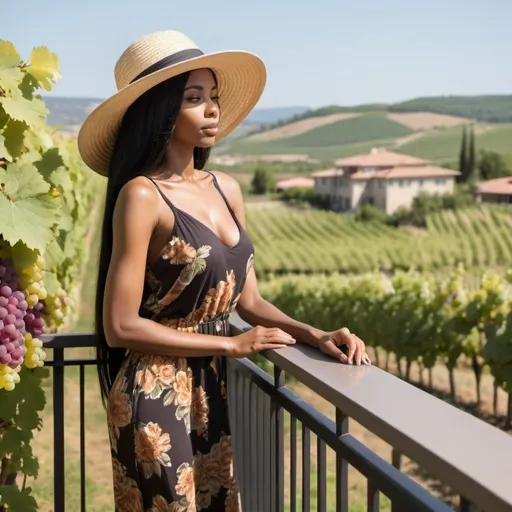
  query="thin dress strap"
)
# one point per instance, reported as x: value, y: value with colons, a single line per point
x: 164, y: 197
x: 217, y: 186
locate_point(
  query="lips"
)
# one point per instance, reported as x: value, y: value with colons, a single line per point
x: 211, y: 129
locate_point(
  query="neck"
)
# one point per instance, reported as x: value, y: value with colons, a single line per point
x: 179, y: 160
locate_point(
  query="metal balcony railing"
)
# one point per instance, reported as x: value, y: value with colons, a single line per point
x: 463, y: 452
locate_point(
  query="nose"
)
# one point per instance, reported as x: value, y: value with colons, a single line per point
x: 212, y: 109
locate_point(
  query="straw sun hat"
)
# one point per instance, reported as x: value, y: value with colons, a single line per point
x: 155, y: 58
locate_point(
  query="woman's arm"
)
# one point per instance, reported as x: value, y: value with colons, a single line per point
x: 135, y: 218
x: 255, y: 310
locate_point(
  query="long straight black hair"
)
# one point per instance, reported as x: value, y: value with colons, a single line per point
x: 139, y: 148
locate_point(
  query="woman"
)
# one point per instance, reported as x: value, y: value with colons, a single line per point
x: 175, y: 262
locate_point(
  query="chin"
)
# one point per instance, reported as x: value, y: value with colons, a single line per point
x: 206, y: 142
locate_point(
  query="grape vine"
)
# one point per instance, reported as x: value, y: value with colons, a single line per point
x: 46, y: 197
x: 316, y: 241
x: 418, y: 316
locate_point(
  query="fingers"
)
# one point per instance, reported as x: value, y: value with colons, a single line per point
x: 276, y: 338
x: 330, y: 348
x: 356, y: 347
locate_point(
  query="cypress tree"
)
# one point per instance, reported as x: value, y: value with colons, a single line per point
x: 471, y: 160
x: 463, y: 160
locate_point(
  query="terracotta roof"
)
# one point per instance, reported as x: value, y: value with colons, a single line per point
x: 328, y: 173
x: 496, y: 186
x: 296, y: 182
x: 379, y: 158
x: 424, y: 171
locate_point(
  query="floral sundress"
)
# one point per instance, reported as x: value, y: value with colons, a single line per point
x: 167, y: 416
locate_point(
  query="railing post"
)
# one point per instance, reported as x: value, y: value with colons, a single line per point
x: 341, y: 466
x: 58, y: 431
x: 278, y: 481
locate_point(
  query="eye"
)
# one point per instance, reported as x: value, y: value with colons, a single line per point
x: 216, y: 99
x: 193, y: 99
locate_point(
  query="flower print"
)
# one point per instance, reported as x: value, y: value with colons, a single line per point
x: 151, y: 447
x: 195, y: 267
x: 185, y: 485
x: 249, y: 264
x: 199, y: 410
x: 127, y: 496
x: 178, y: 252
x: 156, y: 375
x: 119, y: 410
x: 206, y: 474
x: 180, y: 395
x: 233, y: 503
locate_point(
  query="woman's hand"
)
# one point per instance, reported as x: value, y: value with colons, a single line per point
x: 330, y: 342
x: 258, y: 339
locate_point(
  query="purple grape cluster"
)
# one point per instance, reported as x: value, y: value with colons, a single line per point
x: 13, y: 310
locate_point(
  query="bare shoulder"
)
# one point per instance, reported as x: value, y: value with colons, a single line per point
x: 138, y: 191
x: 138, y: 196
x: 229, y: 185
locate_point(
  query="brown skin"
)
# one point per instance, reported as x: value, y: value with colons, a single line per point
x: 142, y: 225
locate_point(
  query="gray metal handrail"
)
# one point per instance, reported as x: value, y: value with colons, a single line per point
x: 464, y: 452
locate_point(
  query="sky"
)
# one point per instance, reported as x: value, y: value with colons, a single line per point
x: 317, y: 52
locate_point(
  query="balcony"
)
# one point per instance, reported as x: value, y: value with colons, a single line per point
x: 283, y: 445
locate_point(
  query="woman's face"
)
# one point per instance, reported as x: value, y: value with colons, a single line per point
x: 198, y: 120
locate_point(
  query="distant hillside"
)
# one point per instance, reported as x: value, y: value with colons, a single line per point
x: 274, y: 115
x: 68, y: 112
x: 490, y: 109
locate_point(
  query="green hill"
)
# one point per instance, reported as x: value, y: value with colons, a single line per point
x: 491, y: 109
x: 486, y: 108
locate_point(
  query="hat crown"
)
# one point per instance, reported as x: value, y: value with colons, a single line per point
x: 148, y: 50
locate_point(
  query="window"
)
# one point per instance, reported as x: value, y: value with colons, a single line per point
x: 440, y: 181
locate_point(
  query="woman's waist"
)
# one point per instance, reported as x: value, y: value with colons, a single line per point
x: 216, y: 326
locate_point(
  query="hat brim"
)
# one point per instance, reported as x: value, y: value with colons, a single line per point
x: 241, y: 78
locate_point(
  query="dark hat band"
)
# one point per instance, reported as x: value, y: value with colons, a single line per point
x: 175, y: 58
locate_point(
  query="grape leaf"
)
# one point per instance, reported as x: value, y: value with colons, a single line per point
x: 39, y: 140
x: 32, y: 112
x: 28, y: 85
x: 18, y: 499
x: 44, y: 66
x: 51, y: 282
x: 28, y: 418
x: 14, y: 134
x: 11, y: 440
x: 22, y: 255
x: 27, y: 211
x: 30, y: 464
x: 10, y: 73
x: 53, y: 256
x: 3, y: 150
x: 50, y: 162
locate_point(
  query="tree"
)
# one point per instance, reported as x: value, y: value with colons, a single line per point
x: 463, y: 157
x: 263, y: 181
x: 492, y: 165
x: 471, y: 158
